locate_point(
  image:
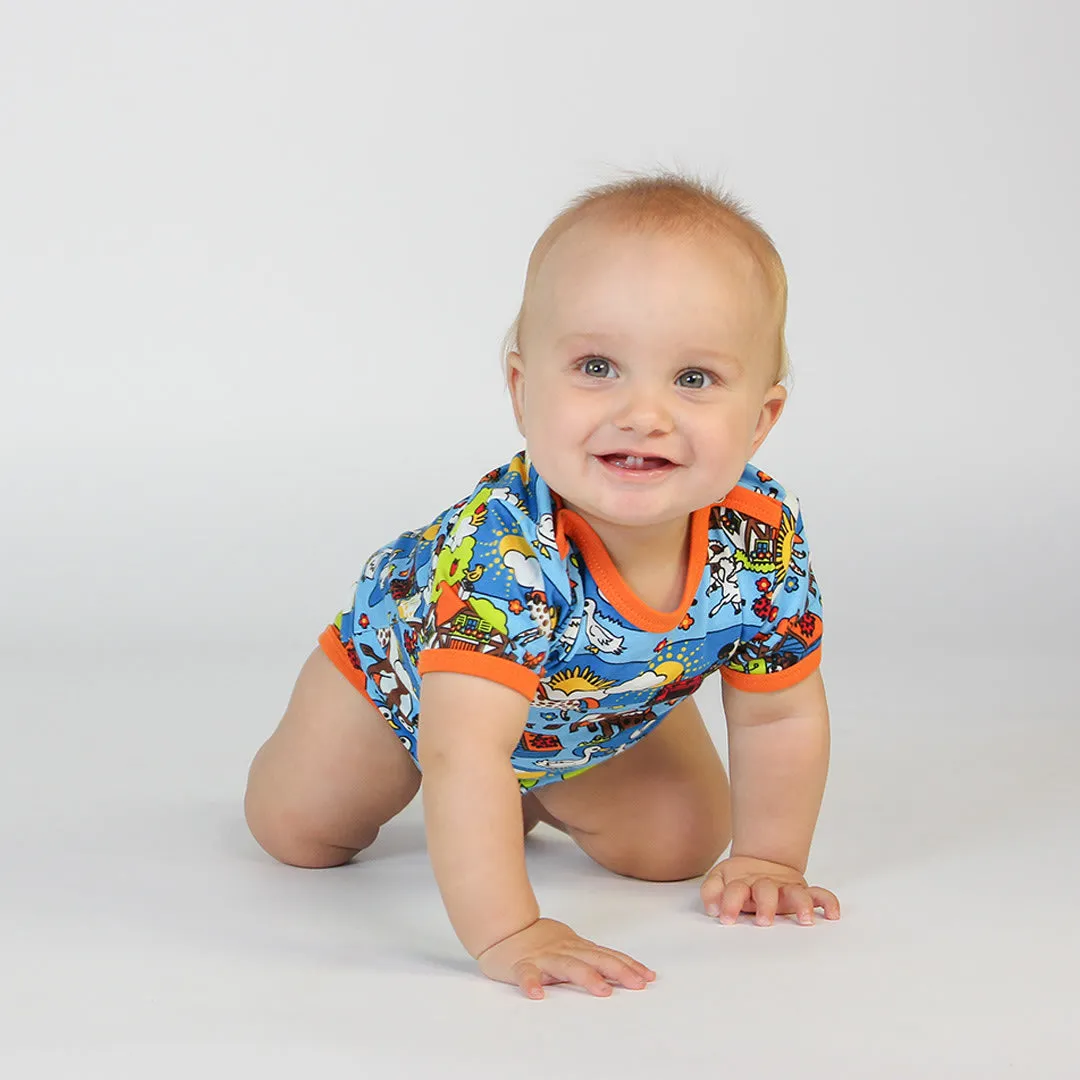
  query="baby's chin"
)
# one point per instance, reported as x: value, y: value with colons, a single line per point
x: 629, y: 510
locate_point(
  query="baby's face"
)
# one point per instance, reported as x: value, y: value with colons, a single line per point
x: 660, y: 345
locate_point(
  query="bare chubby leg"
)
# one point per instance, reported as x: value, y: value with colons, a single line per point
x: 660, y: 810
x: 330, y: 776
x: 533, y: 812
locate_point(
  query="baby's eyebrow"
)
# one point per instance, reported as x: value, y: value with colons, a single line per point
x: 603, y: 340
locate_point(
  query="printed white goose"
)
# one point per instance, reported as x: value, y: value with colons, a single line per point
x: 600, y: 638
x: 587, y: 752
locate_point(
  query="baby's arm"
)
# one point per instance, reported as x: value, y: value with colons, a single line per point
x: 778, y: 745
x: 468, y: 730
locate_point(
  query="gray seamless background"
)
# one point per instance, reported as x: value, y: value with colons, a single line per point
x: 256, y: 262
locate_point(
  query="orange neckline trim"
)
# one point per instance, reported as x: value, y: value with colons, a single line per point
x: 603, y: 569
x: 607, y: 576
x: 754, y: 504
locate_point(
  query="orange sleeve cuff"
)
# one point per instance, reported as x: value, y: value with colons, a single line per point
x: 467, y: 662
x: 773, y: 680
x: 330, y: 643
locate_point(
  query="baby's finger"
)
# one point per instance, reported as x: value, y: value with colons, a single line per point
x: 646, y: 973
x: 766, y: 895
x: 530, y: 979
x: 613, y: 967
x: 731, y: 903
x: 711, y: 890
x: 797, y: 900
x: 826, y: 900
x: 573, y: 969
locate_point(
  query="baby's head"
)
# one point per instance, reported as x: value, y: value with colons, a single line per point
x: 652, y: 321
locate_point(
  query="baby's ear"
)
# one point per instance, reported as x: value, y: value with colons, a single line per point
x: 515, y: 383
x: 771, y: 408
x: 512, y: 364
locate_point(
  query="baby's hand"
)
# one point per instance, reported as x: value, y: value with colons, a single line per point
x: 550, y: 952
x: 742, y: 883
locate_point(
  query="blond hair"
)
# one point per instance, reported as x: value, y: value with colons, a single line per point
x: 671, y: 202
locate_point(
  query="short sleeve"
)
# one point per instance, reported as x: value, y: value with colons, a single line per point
x: 780, y: 641
x: 488, y: 613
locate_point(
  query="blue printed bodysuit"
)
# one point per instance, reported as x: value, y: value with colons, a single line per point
x: 511, y: 585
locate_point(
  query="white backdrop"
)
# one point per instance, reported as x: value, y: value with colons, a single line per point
x: 256, y: 260
x: 256, y: 263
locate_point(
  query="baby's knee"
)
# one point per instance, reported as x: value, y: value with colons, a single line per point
x: 678, y: 862
x: 684, y: 847
x: 290, y: 838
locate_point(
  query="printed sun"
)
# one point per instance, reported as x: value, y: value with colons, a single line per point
x: 578, y: 680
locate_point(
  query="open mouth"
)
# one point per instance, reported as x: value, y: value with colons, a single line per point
x: 631, y: 463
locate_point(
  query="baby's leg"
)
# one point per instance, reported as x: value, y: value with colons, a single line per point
x: 331, y: 774
x: 661, y: 810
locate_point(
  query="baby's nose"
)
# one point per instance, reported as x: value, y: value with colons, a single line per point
x: 644, y: 409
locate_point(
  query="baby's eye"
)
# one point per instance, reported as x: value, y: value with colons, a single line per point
x: 696, y: 372
x: 595, y: 365
x: 600, y: 367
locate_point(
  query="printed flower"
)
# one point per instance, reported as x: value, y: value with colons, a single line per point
x: 364, y: 621
x: 516, y: 606
x: 763, y: 584
x: 687, y: 622
x: 791, y: 584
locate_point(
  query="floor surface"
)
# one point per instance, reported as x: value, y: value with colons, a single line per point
x: 144, y: 933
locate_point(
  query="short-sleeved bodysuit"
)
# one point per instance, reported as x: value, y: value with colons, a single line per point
x: 511, y: 585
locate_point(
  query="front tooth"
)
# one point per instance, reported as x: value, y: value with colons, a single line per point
x: 634, y: 462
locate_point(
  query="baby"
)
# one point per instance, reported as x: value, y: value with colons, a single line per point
x: 534, y: 650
